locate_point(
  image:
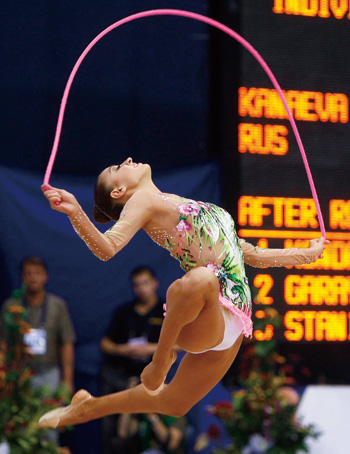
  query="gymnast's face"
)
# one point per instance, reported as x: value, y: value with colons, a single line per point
x: 128, y: 176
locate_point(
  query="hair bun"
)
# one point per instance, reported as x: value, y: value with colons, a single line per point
x: 99, y: 216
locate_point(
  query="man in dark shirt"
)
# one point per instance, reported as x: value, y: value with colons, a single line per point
x: 130, y: 342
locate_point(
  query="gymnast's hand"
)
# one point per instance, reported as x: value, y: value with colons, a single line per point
x: 319, y: 245
x: 60, y: 200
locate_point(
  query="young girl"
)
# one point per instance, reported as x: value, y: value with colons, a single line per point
x: 208, y: 310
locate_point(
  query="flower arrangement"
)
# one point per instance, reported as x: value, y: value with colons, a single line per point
x: 20, y: 405
x: 261, y: 417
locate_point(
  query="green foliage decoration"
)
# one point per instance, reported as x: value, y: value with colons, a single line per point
x: 21, y: 405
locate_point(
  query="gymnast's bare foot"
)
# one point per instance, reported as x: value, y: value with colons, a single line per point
x: 72, y: 414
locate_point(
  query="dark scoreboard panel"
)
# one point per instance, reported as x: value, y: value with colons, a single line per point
x: 306, y: 44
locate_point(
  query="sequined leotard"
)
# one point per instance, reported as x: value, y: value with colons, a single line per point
x: 197, y: 234
x: 203, y: 234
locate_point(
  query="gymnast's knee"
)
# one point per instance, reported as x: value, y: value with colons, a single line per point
x: 175, y: 289
x: 179, y: 412
x: 200, y: 280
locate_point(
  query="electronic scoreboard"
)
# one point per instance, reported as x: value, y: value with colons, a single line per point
x: 306, y: 44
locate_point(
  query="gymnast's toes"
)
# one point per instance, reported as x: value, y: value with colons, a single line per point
x: 76, y: 412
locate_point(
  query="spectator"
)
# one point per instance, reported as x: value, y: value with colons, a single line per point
x: 51, y: 337
x: 129, y: 343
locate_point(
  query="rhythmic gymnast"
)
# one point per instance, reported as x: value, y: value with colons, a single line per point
x: 208, y: 310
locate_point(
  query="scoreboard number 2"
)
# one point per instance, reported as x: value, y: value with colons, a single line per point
x: 264, y: 283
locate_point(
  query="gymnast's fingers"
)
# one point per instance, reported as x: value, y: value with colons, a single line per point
x: 317, y: 241
x: 320, y: 244
x: 54, y: 199
x: 52, y: 193
x: 46, y: 187
x: 324, y: 242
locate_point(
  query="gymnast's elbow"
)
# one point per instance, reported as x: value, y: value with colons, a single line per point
x: 104, y: 257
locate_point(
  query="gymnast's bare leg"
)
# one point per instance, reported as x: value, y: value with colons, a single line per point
x: 194, y: 322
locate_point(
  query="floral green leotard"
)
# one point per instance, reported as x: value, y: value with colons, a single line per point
x: 209, y: 227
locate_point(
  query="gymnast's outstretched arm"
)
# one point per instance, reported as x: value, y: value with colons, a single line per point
x: 137, y: 212
x: 260, y: 257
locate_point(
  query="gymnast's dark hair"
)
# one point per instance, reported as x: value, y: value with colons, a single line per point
x: 106, y: 208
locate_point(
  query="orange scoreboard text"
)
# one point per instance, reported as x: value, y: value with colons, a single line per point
x: 316, y: 302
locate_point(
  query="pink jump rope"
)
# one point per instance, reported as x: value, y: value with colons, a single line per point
x: 214, y: 23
